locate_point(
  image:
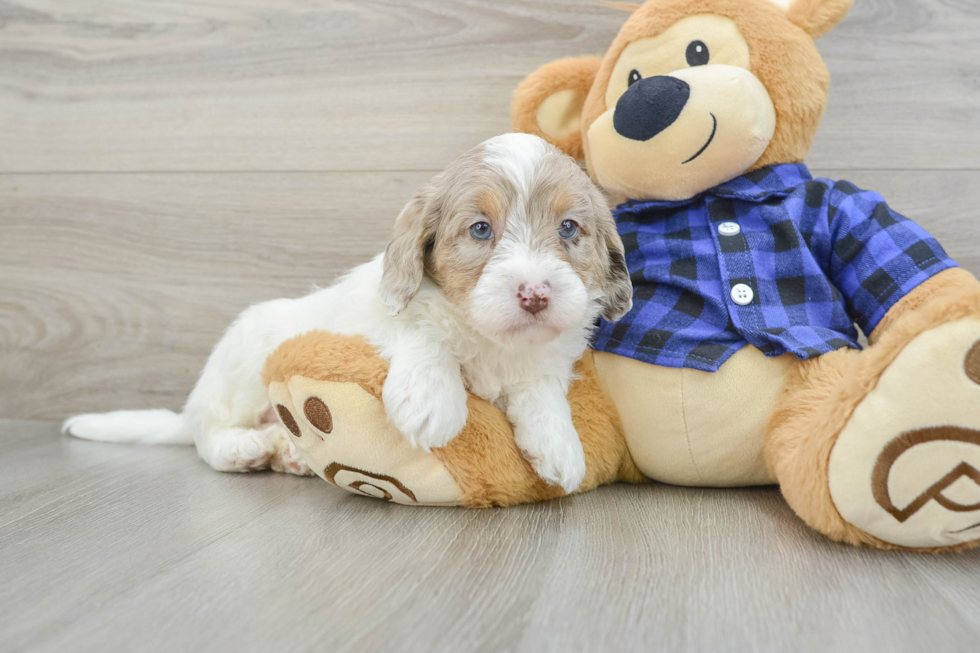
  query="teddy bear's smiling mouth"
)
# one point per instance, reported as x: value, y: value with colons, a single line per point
x: 714, y: 130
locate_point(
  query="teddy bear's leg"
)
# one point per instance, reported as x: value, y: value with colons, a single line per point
x: 882, y: 447
x: 327, y: 391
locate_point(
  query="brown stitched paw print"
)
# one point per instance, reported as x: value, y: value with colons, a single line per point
x: 972, y: 363
x: 906, y: 467
x: 318, y: 414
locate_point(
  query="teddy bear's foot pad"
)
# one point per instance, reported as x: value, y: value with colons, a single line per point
x: 343, y: 433
x: 906, y: 468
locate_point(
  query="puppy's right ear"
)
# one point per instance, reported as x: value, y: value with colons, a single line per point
x: 404, y: 260
x: 549, y: 102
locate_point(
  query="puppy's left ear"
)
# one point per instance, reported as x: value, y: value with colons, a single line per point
x: 404, y: 259
x: 617, y: 299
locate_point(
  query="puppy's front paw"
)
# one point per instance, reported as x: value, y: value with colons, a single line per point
x: 426, y: 403
x: 555, y: 452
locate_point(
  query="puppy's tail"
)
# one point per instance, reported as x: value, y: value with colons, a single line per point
x: 130, y: 426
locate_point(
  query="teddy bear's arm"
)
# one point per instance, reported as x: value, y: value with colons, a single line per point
x: 944, y: 284
x: 874, y: 256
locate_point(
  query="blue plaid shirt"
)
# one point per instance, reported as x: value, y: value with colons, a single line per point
x: 807, y: 257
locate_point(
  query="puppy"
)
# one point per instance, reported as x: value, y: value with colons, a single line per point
x: 494, y: 279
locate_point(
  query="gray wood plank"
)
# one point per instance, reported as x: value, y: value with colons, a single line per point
x: 104, y: 273
x: 342, y: 85
x: 900, y: 92
x: 114, y: 288
x: 263, y: 85
x: 149, y: 550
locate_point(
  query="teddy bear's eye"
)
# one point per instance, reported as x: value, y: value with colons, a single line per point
x: 697, y: 53
x: 633, y: 78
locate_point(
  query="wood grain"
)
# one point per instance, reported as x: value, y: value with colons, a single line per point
x: 114, y: 288
x: 167, y: 85
x: 107, y: 547
x: 261, y: 85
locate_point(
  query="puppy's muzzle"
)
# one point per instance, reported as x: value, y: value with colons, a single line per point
x: 650, y: 106
x: 534, y: 298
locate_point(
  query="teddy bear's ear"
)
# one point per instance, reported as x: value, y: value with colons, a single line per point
x: 815, y: 17
x: 549, y: 102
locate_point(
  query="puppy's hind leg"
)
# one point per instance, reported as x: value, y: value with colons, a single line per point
x: 228, y: 410
x: 238, y: 449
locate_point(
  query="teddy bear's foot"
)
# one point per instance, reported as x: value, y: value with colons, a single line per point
x: 906, y: 467
x: 343, y: 433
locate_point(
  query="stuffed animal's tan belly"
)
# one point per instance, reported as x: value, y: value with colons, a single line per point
x: 688, y: 427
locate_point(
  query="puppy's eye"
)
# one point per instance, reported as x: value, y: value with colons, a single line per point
x: 481, y: 231
x: 697, y: 53
x: 633, y: 78
x: 568, y: 230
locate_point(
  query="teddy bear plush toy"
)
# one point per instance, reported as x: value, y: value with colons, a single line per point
x: 739, y: 363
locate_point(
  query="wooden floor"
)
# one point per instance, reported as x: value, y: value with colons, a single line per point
x: 114, y: 548
x: 165, y: 163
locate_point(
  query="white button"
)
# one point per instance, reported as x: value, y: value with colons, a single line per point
x: 729, y: 229
x: 742, y: 294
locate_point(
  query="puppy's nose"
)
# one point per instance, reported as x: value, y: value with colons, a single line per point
x: 534, y: 297
x: 650, y: 106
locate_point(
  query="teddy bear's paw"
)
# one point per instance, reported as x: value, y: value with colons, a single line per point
x: 906, y: 467
x: 341, y: 431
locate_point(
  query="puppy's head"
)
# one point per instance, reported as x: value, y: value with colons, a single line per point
x: 518, y: 238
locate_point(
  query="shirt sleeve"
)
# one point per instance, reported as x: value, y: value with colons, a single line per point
x: 875, y: 255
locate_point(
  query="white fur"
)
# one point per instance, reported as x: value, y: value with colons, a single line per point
x: 529, y: 374
x: 158, y: 426
x: 521, y: 363
x: 516, y: 156
x: 516, y: 262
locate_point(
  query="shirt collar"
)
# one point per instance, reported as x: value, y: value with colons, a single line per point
x: 756, y: 186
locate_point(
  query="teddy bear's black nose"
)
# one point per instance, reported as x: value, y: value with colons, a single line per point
x: 650, y: 106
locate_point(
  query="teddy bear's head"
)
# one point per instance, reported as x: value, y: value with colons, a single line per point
x: 690, y: 94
